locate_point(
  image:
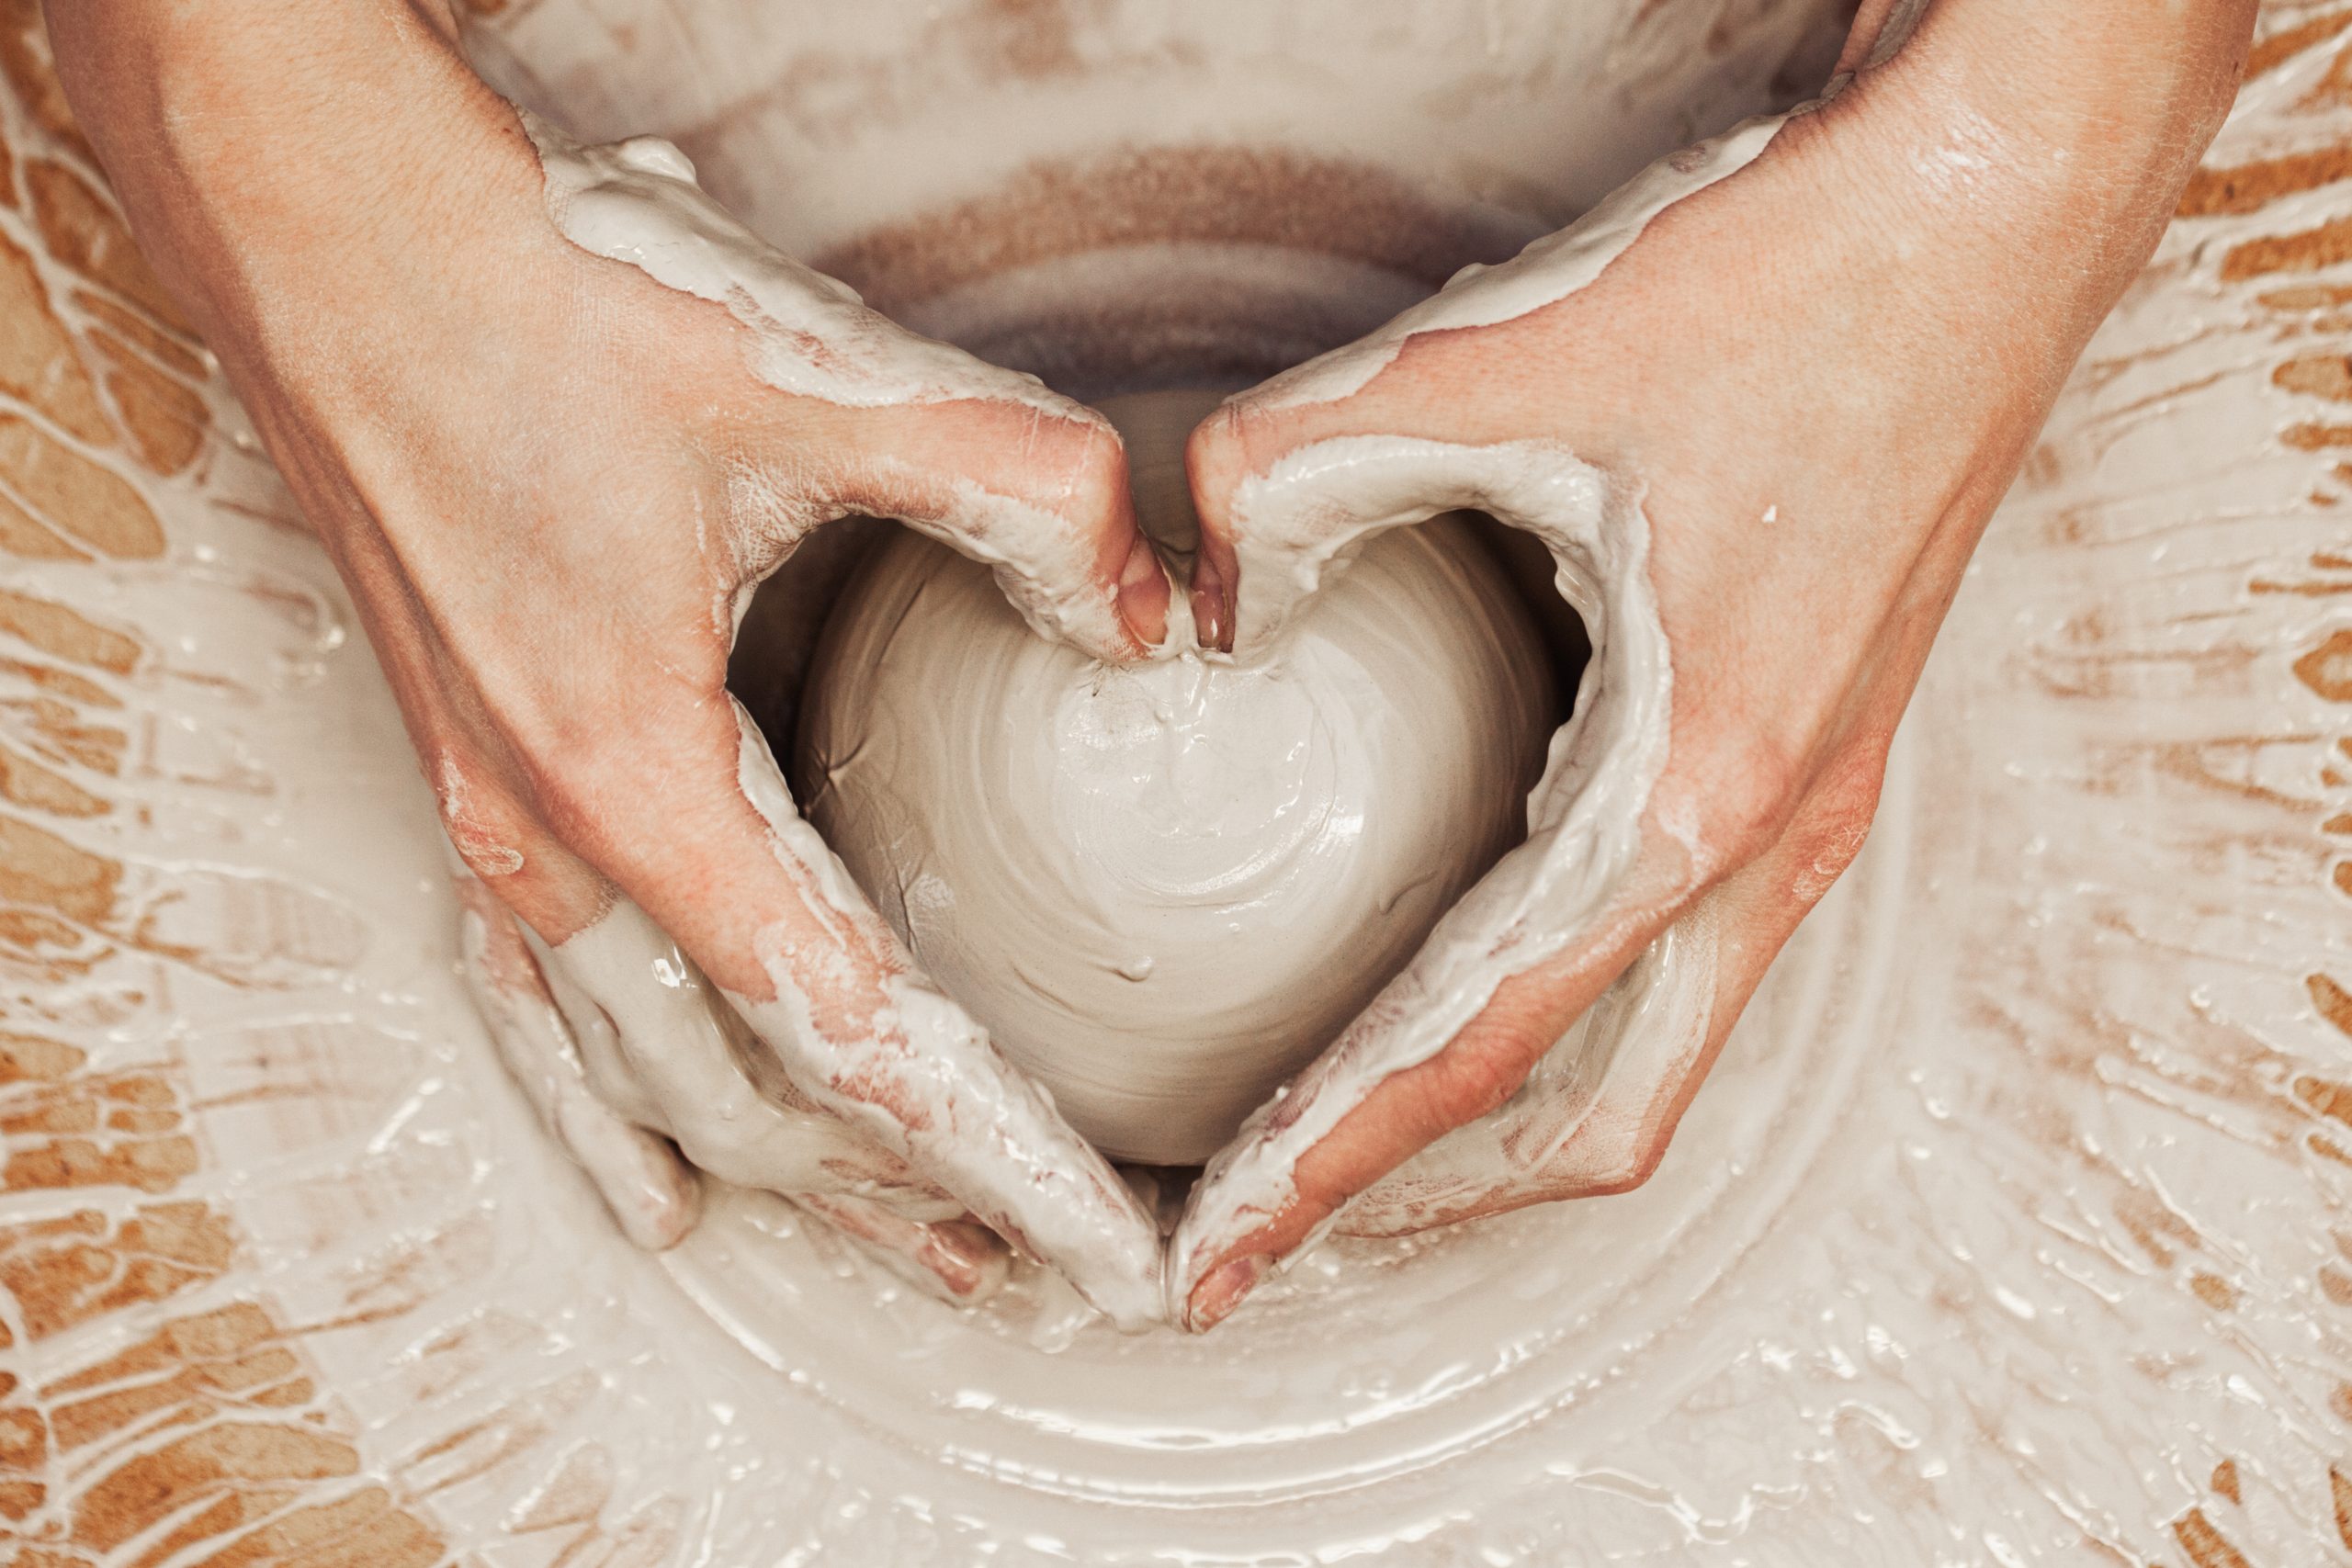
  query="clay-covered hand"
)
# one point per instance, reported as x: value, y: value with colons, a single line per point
x: 1760, y: 405
x: 554, y: 414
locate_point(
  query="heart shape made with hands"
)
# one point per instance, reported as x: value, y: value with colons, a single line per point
x: 1165, y: 887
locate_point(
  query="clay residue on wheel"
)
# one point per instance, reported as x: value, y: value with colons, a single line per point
x: 155, y: 1402
x: 1213, y: 195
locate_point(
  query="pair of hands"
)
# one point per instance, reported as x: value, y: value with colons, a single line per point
x: 551, y: 480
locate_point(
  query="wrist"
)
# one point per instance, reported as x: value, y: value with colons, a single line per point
x: 2044, y: 144
x: 2105, y: 86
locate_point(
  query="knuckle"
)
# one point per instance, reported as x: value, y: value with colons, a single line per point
x: 1756, y: 802
x: 602, y: 784
x: 737, y: 1155
x: 488, y: 856
x: 1847, y: 803
x: 1071, y: 465
x: 1618, y: 1162
x: 1094, y: 461
x: 1072, y: 468
x: 1633, y: 1168
x: 570, y: 783
x: 1240, y: 437
x: 1217, y: 442
x: 1739, y: 804
x: 1834, y: 823
x: 484, y: 823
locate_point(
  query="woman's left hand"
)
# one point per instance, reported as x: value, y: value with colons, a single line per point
x: 1771, y: 431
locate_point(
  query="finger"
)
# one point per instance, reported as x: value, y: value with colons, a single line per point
x: 726, y: 865
x: 652, y: 1192
x: 889, y: 1075
x: 1268, y: 527
x: 958, y: 1261
x: 1571, y: 1133
x: 594, y: 1042
x: 908, y: 1225
x: 600, y: 1116
x: 881, y: 1047
x: 1287, y: 495
x: 633, y: 998
x: 1289, y: 476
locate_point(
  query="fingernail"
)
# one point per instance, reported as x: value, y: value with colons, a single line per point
x: 1143, y: 594
x: 1210, y: 628
x: 1223, y: 1289
x: 656, y: 1206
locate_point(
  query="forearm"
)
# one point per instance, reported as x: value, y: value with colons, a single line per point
x: 256, y: 148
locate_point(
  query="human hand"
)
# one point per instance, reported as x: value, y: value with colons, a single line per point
x: 1761, y: 406
x: 553, y: 425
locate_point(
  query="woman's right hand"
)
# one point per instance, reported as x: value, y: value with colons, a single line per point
x: 550, y: 480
